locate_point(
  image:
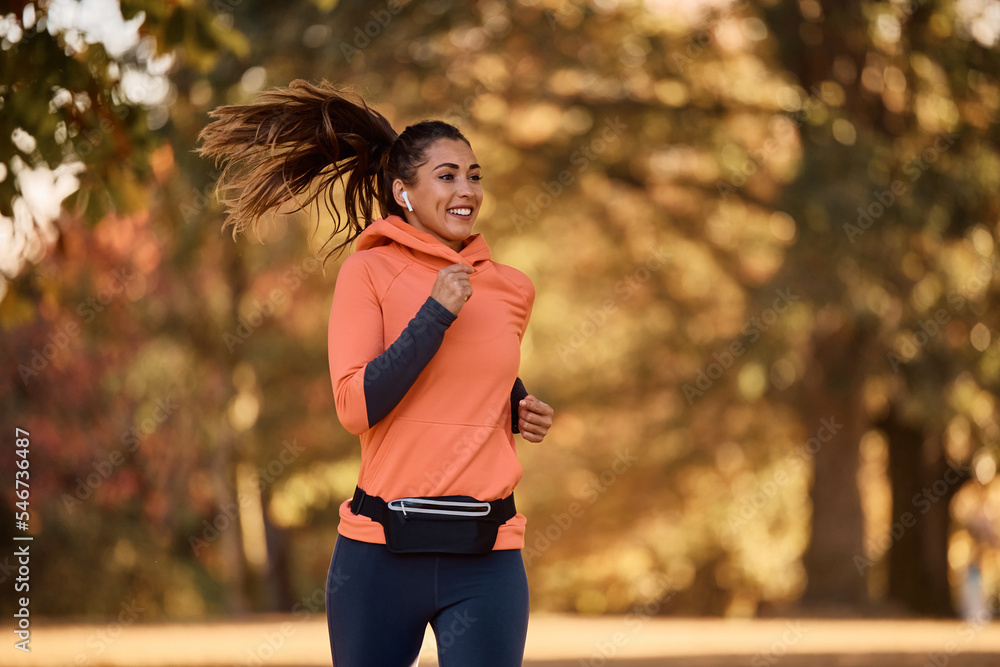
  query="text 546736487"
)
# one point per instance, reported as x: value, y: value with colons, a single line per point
x: 22, y: 546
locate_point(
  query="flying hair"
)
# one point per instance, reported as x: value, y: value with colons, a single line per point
x: 295, y: 144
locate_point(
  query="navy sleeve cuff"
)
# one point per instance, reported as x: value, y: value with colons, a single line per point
x: 434, y: 309
x: 516, y: 394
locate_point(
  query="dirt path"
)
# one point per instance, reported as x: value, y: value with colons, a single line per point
x: 553, y: 641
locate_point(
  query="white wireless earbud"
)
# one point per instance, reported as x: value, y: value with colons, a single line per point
x: 406, y: 198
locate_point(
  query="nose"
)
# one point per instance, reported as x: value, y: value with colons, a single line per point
x: 465, y: 189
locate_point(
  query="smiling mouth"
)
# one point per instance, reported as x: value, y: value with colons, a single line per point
x: 461, y: 212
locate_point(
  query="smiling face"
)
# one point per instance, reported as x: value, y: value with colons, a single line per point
x: 446, y: 193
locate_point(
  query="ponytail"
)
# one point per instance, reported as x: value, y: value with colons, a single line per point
x: 275, y: 148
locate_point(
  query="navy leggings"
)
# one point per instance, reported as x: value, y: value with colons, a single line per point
x: 379, y: 603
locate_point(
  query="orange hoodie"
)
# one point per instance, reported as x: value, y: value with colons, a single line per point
x: 450, y: 434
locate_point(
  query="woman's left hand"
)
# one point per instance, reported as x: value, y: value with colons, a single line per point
x: 534, y: 418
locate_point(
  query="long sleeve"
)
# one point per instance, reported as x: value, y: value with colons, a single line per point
x: 355, y: 338
x: 369, y: 379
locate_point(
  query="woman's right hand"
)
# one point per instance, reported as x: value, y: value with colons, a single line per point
x: 452, y: 287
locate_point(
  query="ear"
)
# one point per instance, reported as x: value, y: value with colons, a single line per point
x: 397, y: 192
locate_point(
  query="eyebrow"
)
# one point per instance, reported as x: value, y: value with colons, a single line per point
x: 452, y: 165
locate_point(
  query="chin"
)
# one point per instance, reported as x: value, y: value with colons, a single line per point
x: 461, y: 231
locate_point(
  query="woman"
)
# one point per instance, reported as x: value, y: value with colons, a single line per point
x: 424, y: 340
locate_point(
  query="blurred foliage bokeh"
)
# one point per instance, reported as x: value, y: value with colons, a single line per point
x: 763, y: 237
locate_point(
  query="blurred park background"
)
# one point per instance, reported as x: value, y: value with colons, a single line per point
x: 764, y: 241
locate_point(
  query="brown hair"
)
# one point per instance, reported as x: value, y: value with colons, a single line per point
x: 276, y: 148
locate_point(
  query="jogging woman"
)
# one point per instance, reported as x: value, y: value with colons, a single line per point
x: 424, y: 348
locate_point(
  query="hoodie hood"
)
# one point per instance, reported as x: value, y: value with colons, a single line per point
x: 424, y: 248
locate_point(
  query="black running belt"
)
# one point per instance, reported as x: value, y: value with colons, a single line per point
x: 377, y: 509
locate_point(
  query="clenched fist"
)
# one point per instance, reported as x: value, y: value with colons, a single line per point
x: 534, y: 418
x: 452, y: 287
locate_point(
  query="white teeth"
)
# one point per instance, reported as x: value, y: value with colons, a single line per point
x: 460, y: 211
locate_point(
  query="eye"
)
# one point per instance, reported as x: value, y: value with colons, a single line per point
x: 475, y: 177
x: 447, y: 177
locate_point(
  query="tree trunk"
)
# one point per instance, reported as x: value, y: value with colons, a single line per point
x: 922, y: 488
x: 227, y: 525
x: 834, y: 415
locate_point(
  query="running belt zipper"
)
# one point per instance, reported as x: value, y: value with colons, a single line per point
x: 376, y: 509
